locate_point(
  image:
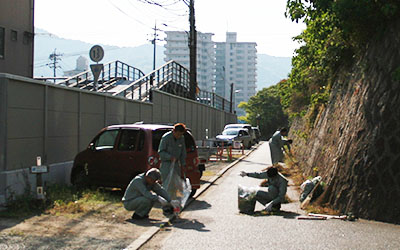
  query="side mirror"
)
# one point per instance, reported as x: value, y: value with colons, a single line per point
x: 91, y: 146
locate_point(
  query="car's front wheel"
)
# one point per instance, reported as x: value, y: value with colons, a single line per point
x: 80, y: 179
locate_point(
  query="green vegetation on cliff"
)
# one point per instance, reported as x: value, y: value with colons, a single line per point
x: 337, y: 33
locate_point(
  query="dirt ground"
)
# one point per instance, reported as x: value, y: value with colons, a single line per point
x: 104, y: 227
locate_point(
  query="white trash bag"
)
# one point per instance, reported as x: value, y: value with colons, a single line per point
x: 247, y: 199
x: 178, y: 189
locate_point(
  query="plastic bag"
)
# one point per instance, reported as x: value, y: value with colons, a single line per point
x: 247, y: 199
x: 178, y: 189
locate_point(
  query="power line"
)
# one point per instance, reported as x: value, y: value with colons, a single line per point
x: 123, y: 12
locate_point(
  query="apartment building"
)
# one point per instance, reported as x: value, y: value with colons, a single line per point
x: 16, y: 37
x: 236, y: 64
x: 177, y: 49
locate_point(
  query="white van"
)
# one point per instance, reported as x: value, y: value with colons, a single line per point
x: 243, y: 125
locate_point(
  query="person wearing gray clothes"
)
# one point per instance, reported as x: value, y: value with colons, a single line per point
x: 277, y: 187
x: 276, y: 144
x: 172, y: 151
x: 138, y: 196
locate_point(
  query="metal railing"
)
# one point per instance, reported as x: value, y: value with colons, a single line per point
x: 213, y: 100
x: 120, y: 79
x: 170, y: 77
x: 112, y: 73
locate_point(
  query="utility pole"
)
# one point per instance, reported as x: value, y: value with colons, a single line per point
x: 153, y: 41
x: 154, y: 46
x: 54, y: 58
x: 192, y: 52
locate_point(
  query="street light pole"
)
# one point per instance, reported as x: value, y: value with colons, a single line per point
x: 231, y: 106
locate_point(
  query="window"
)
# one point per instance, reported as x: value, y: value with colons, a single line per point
x: 14, y: 35
x: 2, y: 39
x: 106, y: 140
x: 127, y: 141
x: 28, y: 38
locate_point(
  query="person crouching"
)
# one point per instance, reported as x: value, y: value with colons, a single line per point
x: 277, y: 187
x: 139, y: 196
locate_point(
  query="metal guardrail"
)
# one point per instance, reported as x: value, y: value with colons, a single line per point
x: 121, y: 79
x: 170, y: 77
x: 213, y: 100
x: 112, y: 72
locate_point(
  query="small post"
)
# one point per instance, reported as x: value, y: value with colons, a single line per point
x: 230, y: 153
x: 38, y: 170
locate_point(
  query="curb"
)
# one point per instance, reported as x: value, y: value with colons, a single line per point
x: 146, y: 236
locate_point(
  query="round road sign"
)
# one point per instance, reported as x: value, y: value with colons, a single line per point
x: 96, y: 53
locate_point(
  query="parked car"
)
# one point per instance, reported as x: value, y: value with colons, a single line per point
x: 257, y: 133
x: 246, y: 126
x: 120, y: 152
x: 230, y: 135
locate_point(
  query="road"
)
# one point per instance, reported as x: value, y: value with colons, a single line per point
x: 213, y: 222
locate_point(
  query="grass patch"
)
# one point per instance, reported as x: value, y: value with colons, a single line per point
x: 62, y: 199
x: 318, y: 209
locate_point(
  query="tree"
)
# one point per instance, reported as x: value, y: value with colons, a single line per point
x: 265, y: 110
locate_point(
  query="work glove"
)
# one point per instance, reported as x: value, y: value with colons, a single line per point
x: 243, y: 174
x: 268, y: 207
x: 163, y: 201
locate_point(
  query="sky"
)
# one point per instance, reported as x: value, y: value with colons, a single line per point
x: 130, y: 23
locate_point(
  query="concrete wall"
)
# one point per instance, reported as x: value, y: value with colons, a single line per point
x: 56, y: 123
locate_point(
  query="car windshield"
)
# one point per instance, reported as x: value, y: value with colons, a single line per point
x: 230, y: 132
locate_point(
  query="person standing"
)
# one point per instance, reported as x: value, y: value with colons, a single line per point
x: 276, y: 144
x: 277, y: 187
x: 172, y: 151
x: 138, y: 196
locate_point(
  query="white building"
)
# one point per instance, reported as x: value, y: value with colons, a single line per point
x: 177, y: 49
x: 236, y: 63
x: 82, y: 64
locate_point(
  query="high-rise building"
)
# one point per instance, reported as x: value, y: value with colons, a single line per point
x: 177, y: 49
x: 236, y: 64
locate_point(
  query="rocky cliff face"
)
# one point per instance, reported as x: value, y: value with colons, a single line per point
x: 355, y: 141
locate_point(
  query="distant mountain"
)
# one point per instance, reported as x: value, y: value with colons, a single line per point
x: 140, y: 57
x: 270, y: 69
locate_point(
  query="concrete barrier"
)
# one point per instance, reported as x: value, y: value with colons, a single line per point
x: 56, y: 122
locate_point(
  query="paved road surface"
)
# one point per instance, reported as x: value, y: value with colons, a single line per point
x: 213, y: 222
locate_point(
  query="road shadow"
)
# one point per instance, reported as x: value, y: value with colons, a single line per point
x: 282, y: 213
x: 6, y: 223
x: 198, y: 205
x: 146, y: 222
x: 263, y: 163
x: 207, y: 182
x: 192, y: 224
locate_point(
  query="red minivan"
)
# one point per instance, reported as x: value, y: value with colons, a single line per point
x: 120, y: 152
